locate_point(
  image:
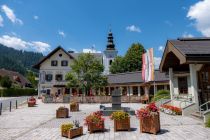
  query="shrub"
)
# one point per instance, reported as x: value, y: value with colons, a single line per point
x: 66, y: 127
x: 119, y: 115
x: 207, y: 124
x: 161, y: 94
x: 15, y: 92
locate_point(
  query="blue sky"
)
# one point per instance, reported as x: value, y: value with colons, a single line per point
x: 41, y: 25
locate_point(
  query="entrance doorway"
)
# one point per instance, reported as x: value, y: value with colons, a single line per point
x: 204, y: 84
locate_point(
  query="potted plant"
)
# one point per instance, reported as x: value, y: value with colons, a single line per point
x: 31, y: 101
x: 62, y: 112
x: 74, y: 106
x: 149, y: 119
x: 121, y: 120
x: 65, y: 128
x: 76, y: 130
x: 95, y: 122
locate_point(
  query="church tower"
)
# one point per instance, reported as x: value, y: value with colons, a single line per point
x: 110, y: 53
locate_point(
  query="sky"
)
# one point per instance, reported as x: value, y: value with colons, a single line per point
x: 42, y: 25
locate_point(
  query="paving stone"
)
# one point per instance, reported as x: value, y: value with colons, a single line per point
x: 39, y: 123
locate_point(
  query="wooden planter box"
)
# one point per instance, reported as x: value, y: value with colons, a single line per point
x: 150, y: 124
x: 75, y: 132
x: 122, y: 124
x: 62, y: 113
x: 93, y: 128
x: 74, y: 108
x: 64, y: 134
x: 31, y: 103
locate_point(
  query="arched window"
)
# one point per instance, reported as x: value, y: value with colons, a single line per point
x: 110, y: 62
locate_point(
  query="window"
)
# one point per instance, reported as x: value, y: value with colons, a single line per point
x: 48, y: 91
x: 182, y: 85
x: 59, y: 77
x: 60, y: 55
x: 54, y: 63
x: 64, y: 63
x: 48, y: 77
x: 110, y: 62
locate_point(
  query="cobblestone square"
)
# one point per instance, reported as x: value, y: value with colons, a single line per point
x: 39, y: 123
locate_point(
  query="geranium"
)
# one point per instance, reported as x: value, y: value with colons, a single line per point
x: 96, y: 118
x: 169, y: 109
x: 149, y: 110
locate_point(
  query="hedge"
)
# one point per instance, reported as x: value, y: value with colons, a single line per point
x: 15, y: 92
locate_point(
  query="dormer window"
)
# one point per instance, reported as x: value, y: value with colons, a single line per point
x: 54, y: 63
x: 64, y: 63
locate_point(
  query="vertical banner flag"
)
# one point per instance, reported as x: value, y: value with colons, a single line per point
x: 143, y: 66
x: 151, y: 65
x: 148, y: 66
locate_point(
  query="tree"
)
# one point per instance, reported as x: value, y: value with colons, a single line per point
x: 32, y: 78
x: 5, y: 82
x: 118, y: 65
x: 86, y: 73
x: 132, y: 61
x: 133, y: 57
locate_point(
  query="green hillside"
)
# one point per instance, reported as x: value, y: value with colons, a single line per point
x: 18, y: 60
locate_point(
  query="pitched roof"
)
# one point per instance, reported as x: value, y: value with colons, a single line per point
x: 192, y: 46
x: 183, y: 51
x: 36, y: 66
x: 13, y: 75
x: 134, y: 77
x: 96, y: 55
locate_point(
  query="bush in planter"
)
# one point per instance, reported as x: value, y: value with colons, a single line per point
x: 149, y: 118
x: 65, y: 128
x: 95, y: 122
x: 121, y: 120
x: 207, y: 124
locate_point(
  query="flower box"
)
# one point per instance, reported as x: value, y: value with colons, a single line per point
x: 149, y: 119
x: 31, y: 103
x: 75, y: 132
x: 93, y: 127
x: 62, y: 112
x: 74, y: 107
x: 95, y: 122
x: 122, y: 124
x: 150, y: 124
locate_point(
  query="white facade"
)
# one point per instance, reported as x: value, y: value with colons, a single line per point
x: 108, y: 58
x: 47, y: 69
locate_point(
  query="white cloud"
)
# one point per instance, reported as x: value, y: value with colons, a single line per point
x: 187, y: 35
x: 199, y: 12
x: 133, y: 28
x: 10, y: 14
x: 1, y: 21
x: 90, y: 51
x: 157, y: 62
x: 161, y: 48
x: 40, y: 46
x: 62, y: 33
x: 36, y: 17
x: 19, y: 44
